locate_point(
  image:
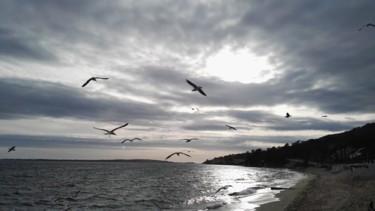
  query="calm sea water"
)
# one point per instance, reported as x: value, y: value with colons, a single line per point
x: 79, y: 185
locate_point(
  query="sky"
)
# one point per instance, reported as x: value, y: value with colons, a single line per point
x: 256, y: 60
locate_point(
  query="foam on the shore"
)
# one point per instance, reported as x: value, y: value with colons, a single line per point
x: 286, y: 196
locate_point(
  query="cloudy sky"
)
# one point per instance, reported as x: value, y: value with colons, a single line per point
x: 255, y: 59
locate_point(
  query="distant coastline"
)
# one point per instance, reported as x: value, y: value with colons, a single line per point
x: 354, y: 146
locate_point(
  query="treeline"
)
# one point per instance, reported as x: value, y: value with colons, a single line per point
x: 354, y: 146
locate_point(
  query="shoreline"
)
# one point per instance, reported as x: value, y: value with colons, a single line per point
x: 287, y: 196
x: 325, y: 190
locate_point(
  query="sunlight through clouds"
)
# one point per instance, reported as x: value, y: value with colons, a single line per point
x: 239, y: 66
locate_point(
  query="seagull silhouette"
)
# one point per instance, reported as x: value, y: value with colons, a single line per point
x: 111, y: 132
x: 93, y: 79
x: 176, y: 153
x: 223, y: 188
x: 196, y: 109
x: 324, y: 116
x: 367, y: 25
x: 287, y: 115
x: 188, y: 151
x: 188, y: 139
x: 130, y: 140
x: 196, y: 88
x: 230, y: 127
x: 13, y: 148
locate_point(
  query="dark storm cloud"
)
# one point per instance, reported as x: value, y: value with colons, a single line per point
x: 27, y: 98
x: 22, y: 141
x: 13, y: 47
x: 206, y: 125
x: 313, y: 124
x: 168, y: 86
x: 229, y: 143
x: 320, y: 45
x: 325, y: 63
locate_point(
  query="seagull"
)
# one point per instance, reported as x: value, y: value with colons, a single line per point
x: 188, y: 151
x: 324, y: 116
x: 230, y: 127
x: 111, y: 132
x: 178, y: 154
x: 93, y: 79
x: 367, y: 25
x: 223, y: 188
x: 189, y: 139
x: 196, y: 88
x: 288, y: 115
x: 130, y: 140
x: 197, y: 109
x: 13, y: 148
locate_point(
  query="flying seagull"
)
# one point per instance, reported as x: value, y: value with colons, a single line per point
x: 223, y: 188
x: 324, y: 116
x: 188, y: 151
x: 288, y: 115
x: 196, y: 88
x: 130, y: 140
x: 189, y: 139
x: 111, y: 132
x: 230, y: 127
x: 197, y: 109
x: 13, y: 148
x: 93, y: 79
x: 367, y: 25
x: 178, y: 154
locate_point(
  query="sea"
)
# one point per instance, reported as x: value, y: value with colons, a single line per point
x: 137, y: 185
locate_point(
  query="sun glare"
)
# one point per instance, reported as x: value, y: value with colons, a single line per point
x: 240, y: 65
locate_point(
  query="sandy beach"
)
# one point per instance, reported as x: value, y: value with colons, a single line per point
x: 324, y: 190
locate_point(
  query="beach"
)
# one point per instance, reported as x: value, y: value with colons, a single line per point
x: 326, y: 190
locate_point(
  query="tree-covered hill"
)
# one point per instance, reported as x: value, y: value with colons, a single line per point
x: 356, y: 145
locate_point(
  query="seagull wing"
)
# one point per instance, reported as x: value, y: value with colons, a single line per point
x: 102, y: 129
x: 192, y: 84
x: 88, y: 81
x: 170, y: 155
x: 202, y: 92
x: 184, y: 154
x: 230, y: 127
x: 101, y: 78
x: 370, y: 24
x: 137, y: 139
x: 224, y: 187
x: 219, y: 189
x: 119, y: 127
x: 361, y: 28
x: 124, y: 141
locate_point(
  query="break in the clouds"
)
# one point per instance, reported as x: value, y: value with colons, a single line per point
x: 256, y: 60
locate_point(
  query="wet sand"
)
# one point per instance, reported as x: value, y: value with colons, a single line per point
x: 326, y: 191
x: 287, y: 196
